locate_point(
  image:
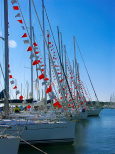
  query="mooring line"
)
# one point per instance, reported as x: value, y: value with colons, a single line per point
x: 33, y: 146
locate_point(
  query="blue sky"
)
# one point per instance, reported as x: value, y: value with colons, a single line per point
x: 93, y: 24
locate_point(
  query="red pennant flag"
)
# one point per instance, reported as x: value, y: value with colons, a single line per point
x: 29, y: 48
x: 10, y: 76
x: 35, y: 44
x: 21, y: 97
x: 37, y: 52
x: 20, y: 21
x: 15, y: 87
x: 59, y: 73
x: 69, y: 105
x: 46, y: 79
x: 15, y: 7
x: 25, y: 35
x: 28, y: 107
x: 35, y: 62
x: 49, y: 42
x: 61, y: 80
x: 49, y: 89
x: 57, y: 104
x: 41, y: 76
x: 42, y: 70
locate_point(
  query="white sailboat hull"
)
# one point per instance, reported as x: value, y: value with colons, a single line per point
x: 47, y: 132
x: 94, y: 112
x: 9, y: 144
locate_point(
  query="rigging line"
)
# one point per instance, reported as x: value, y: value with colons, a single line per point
x: 57, y: 51
x: 58, y: 54
x: 1, y: 23
x: 86, y: 70
x: 25, y: 26
x: 2, y: 71
x: 31, y: 36
x: 86, y: 89
x: 74, y: 85
x: 62, y: 49
x: 47, y: 47
x: 23, y: 19
x: 74, y: 75
x: 33, y: 146
x: 44, y: 54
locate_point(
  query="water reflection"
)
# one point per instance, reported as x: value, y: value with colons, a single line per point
x: 59, y: 148
x: 80, y: 144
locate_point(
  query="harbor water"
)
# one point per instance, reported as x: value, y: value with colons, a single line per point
x: 96, y: 135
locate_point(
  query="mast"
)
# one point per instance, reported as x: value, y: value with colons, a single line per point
x: 27, y: 84
x: 50, y: 77
x: 62, y: 53
x: 6, y: 105
x: 75, y: 69
x: 43, y: 27
x: 59, y: 45
x: 49, y: 51
x: 30, y: 18
x: 21, y: 89
x: 16, y: 88
x: 37, y: 81
x: 65, y: 55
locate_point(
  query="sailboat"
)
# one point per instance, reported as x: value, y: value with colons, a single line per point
x: 81, y: 100
x: 93, y: 111
x: 44, y: 131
